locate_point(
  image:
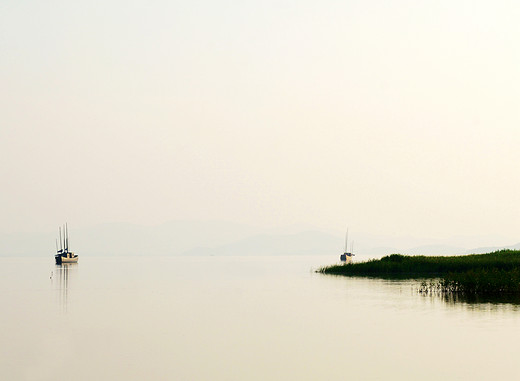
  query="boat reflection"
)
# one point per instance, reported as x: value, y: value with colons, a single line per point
x: 64, y: 273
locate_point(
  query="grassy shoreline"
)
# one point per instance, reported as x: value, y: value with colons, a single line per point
x: 479, y: 274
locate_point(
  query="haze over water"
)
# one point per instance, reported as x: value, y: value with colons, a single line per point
x: 263, y: 121
x: 393, y: 118
x: 239, y: 318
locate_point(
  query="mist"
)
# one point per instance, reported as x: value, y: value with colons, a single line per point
x: 398, y: 120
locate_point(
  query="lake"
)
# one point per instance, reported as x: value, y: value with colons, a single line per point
x: 240, y: 318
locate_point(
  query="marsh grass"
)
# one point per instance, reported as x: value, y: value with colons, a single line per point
x: 476, y: 274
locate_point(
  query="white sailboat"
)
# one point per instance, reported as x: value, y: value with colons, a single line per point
x: 347, y: 256
x: 63, y: 255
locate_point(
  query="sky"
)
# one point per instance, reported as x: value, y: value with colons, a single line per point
x: 394, y: 118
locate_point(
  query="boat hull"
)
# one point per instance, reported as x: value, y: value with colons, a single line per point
x: 62, y: 259
x: 346, y: 257
x: 69, y: 260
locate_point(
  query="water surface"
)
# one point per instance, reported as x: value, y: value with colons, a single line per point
x: 240, y: 318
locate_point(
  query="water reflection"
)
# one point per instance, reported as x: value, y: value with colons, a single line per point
x: 247, y: 318
x: 63, y: 275
x: 478, y: 302
x: 430, y: 290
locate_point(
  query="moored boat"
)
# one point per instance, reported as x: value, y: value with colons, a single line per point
x: 347, y: 256
x: 63, y: 255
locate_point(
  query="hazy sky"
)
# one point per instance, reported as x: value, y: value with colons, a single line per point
x: 391, y: 117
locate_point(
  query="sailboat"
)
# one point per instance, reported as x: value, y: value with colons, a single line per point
x: 63, y: 255
x: 347, y: 256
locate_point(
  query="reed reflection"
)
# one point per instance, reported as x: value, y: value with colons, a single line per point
x: 483, y: 302
x: 64, y: 273
x: 431, y: 289
x: 474, y: 302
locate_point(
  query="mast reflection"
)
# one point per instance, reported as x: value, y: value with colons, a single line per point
x: 64, y: 273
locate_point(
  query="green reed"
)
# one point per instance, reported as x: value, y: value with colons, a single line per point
x: 492, y: 273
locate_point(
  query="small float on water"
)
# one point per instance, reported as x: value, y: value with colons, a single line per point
x: 347, y: 256
x: 63, y: 255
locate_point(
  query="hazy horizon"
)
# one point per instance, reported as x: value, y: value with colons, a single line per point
x: 396, y: 119
x: 220, y: 238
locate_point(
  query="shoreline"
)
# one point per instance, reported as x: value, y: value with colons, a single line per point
x: 478, y: 274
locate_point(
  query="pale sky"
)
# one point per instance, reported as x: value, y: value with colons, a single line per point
x: 391, y: 117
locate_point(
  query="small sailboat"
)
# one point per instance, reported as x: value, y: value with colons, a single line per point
x: 63, y: 255
x: 347, y: 256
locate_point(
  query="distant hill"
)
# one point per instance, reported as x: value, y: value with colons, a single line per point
x: 171, y: 238
x: 380, y: 250
x: 215, y: 238
x: 489, y: 249
x: 26, y: 244
x: 174, y: 238
x: 434, y: 250
x: 303, y: 243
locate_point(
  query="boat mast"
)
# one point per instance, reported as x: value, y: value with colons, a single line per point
x: 346, y: 242
x: 61, y: 248
x: 67, y: 238
x: 63, y: 238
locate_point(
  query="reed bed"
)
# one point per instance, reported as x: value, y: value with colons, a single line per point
x: 479, y: 274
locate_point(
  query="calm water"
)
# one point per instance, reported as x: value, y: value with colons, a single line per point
x: 247, y: 318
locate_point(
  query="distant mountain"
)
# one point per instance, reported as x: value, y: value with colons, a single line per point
x: 303, y: 243
x: 381, y: 250
x: 434, y: 250
x: 127, y: 239
x: 489, y: 249
x: 174, y: 238
x: 216, y: 238
x: 171, y: 238
x: 26, y: 244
